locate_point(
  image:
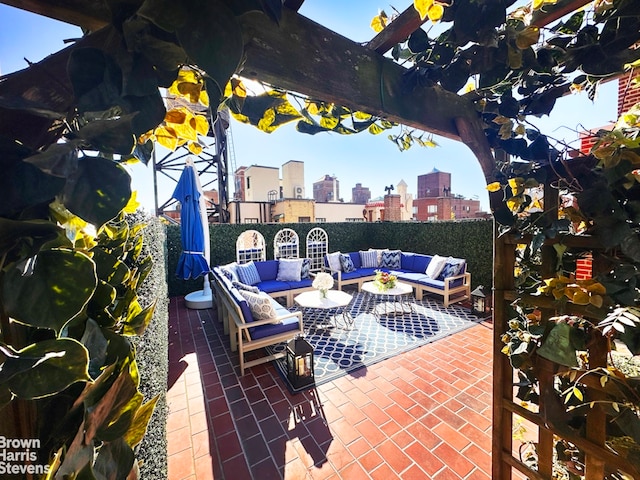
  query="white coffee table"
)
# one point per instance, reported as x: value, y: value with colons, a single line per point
x: 335, y: 300
x: 385, y: 302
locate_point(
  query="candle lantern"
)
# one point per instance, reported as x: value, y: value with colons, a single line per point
x: 299, y: 355
x: 480, y: 302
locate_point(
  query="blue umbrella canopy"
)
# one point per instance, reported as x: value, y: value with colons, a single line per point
x: 193, y: 262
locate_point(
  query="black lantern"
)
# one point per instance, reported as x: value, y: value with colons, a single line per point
x: 300, y: 363
x: 479, y: 302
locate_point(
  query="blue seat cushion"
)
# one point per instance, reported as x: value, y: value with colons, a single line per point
x: 304, y: 283
x: 268, y: 269
x: 271, y: 329
x: 361, y: 272
x: 271, y: 286
x: 412, y: 276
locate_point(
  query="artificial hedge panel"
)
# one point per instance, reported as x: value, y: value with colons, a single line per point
x: 469, y: 239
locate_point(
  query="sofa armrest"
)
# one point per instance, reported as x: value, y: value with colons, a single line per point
x: 466, y: 276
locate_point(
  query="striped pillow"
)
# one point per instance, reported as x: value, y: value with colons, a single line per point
x: 369, y: 258
x: 248, y: 273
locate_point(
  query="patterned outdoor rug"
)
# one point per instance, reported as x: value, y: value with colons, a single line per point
x: 373, y: 338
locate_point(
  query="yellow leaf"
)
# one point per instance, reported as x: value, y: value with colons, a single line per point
x: 430, y: 143
x: 514, y: 203
x: 422, y: 6
x: 435, y: 12
x: 578, y: 393
x: 506, y: 350
x: 266, y: 122
x: 527, y: 37
x: 190, y: 91
x: 184, y: 76
x: 329, y: 122
x: 596, y: 300
x: 615, y: 407
x: 133, y: 204
x: 595, y: 287
x: 362, y: 115
x: 177, y: 116
x: 375, y: 129
x: 501, y: 120
x: 494, y: 187
x: 204, y: 98
x: 520, y: 129
x: 379, y: 22
x: 186, y: 130
x: 202, y: 125
x: 558, y: 293
x: 505, y: 130
x: 195, y: 148
x: 166, y: 136
x: 580, y: 298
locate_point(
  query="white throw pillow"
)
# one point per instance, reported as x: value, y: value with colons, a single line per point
x: 435, y: 266
x: 289, y: 269
x: 333, y: 259
x: 369, y: 259
x: 259, y: 304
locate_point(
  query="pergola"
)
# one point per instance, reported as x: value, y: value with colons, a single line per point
x: 296, y: 56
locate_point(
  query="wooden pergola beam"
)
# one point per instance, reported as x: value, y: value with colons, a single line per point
x: 397, y: 31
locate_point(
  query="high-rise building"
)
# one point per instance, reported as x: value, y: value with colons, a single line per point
x: 327, y: 189
x: 360, y: 194
x: 437, y: 202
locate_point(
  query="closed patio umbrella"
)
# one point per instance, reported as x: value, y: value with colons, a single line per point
x: 194, y: 228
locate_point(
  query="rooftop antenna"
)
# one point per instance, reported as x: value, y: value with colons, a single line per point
x: 388, y: 189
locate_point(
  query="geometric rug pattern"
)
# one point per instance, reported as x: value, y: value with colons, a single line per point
x: 373, y: 337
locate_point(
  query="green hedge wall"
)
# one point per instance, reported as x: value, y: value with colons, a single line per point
x: 469, y: 239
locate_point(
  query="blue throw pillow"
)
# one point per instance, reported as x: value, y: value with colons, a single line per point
x: 451, y: 269
x: 245, y: 287
x: 390, y: 259
x: 347, y: 264
x: 289, y: 269
x: 248, y: 273
x: 306, y: 268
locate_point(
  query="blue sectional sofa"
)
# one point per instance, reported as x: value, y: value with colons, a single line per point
x: 452, y: 288
x: 247, y: 333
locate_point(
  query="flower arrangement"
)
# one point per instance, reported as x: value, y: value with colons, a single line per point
x: 385, y: 280
x: 322, y: 282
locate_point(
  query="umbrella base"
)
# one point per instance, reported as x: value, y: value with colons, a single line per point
x: 198, y: 300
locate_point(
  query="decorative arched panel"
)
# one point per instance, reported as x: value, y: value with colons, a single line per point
x: 317, y: 248
x: 250, y: 246
x: 286, y: 244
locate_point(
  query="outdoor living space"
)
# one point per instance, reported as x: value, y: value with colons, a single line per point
x: 424, y: 413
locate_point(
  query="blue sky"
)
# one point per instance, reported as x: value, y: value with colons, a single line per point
x: 371, y: 160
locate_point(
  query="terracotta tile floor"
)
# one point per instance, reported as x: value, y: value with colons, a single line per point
x: 425, y: 414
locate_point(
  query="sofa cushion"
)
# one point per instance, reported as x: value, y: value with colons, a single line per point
x: 451, y: 268
x: 230, y: 271
x: 346, y: 263
x: 262, y: 331
x: 271, y: 286
x: 260, y: 305
x: 303, y: 283
x: 435, y: 266
x: 359, y: 273
x: 390, y: 259
x: 268, y: 269
x: 289, y: 269
x: 244, y: 306
x: 406, y: 261
x: 248, y: 273
x: 369, y: 259
x: 420, y: 262
x: 355, y: 258
x: 333, y: 260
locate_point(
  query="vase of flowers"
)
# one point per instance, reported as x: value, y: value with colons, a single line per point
x: 323, y: 282
x: 384, y: 280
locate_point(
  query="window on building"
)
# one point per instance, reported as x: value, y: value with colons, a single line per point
x: 250, y: 220
x: 432, y: 209
x: 304, y: 219
x: 248, y: 182
x: 358, y: 219
x: 321, y: 220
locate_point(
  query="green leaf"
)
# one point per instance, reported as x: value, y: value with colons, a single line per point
x: 96, y: 344
x: 166, y: 14
x: 115, y: 460
x: 96, y: 79
x: 58, y: 288
x: 137, y: 324
x: 119, y: 423
x: 23, y: 239
x: 110, y: 136
x: 59, y: 160
x: 57, y: 364
x: 212, y: 38
x: 98, y: 191
x: 109, y: 268
x: 139, y: 425
x: 557, y: 346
